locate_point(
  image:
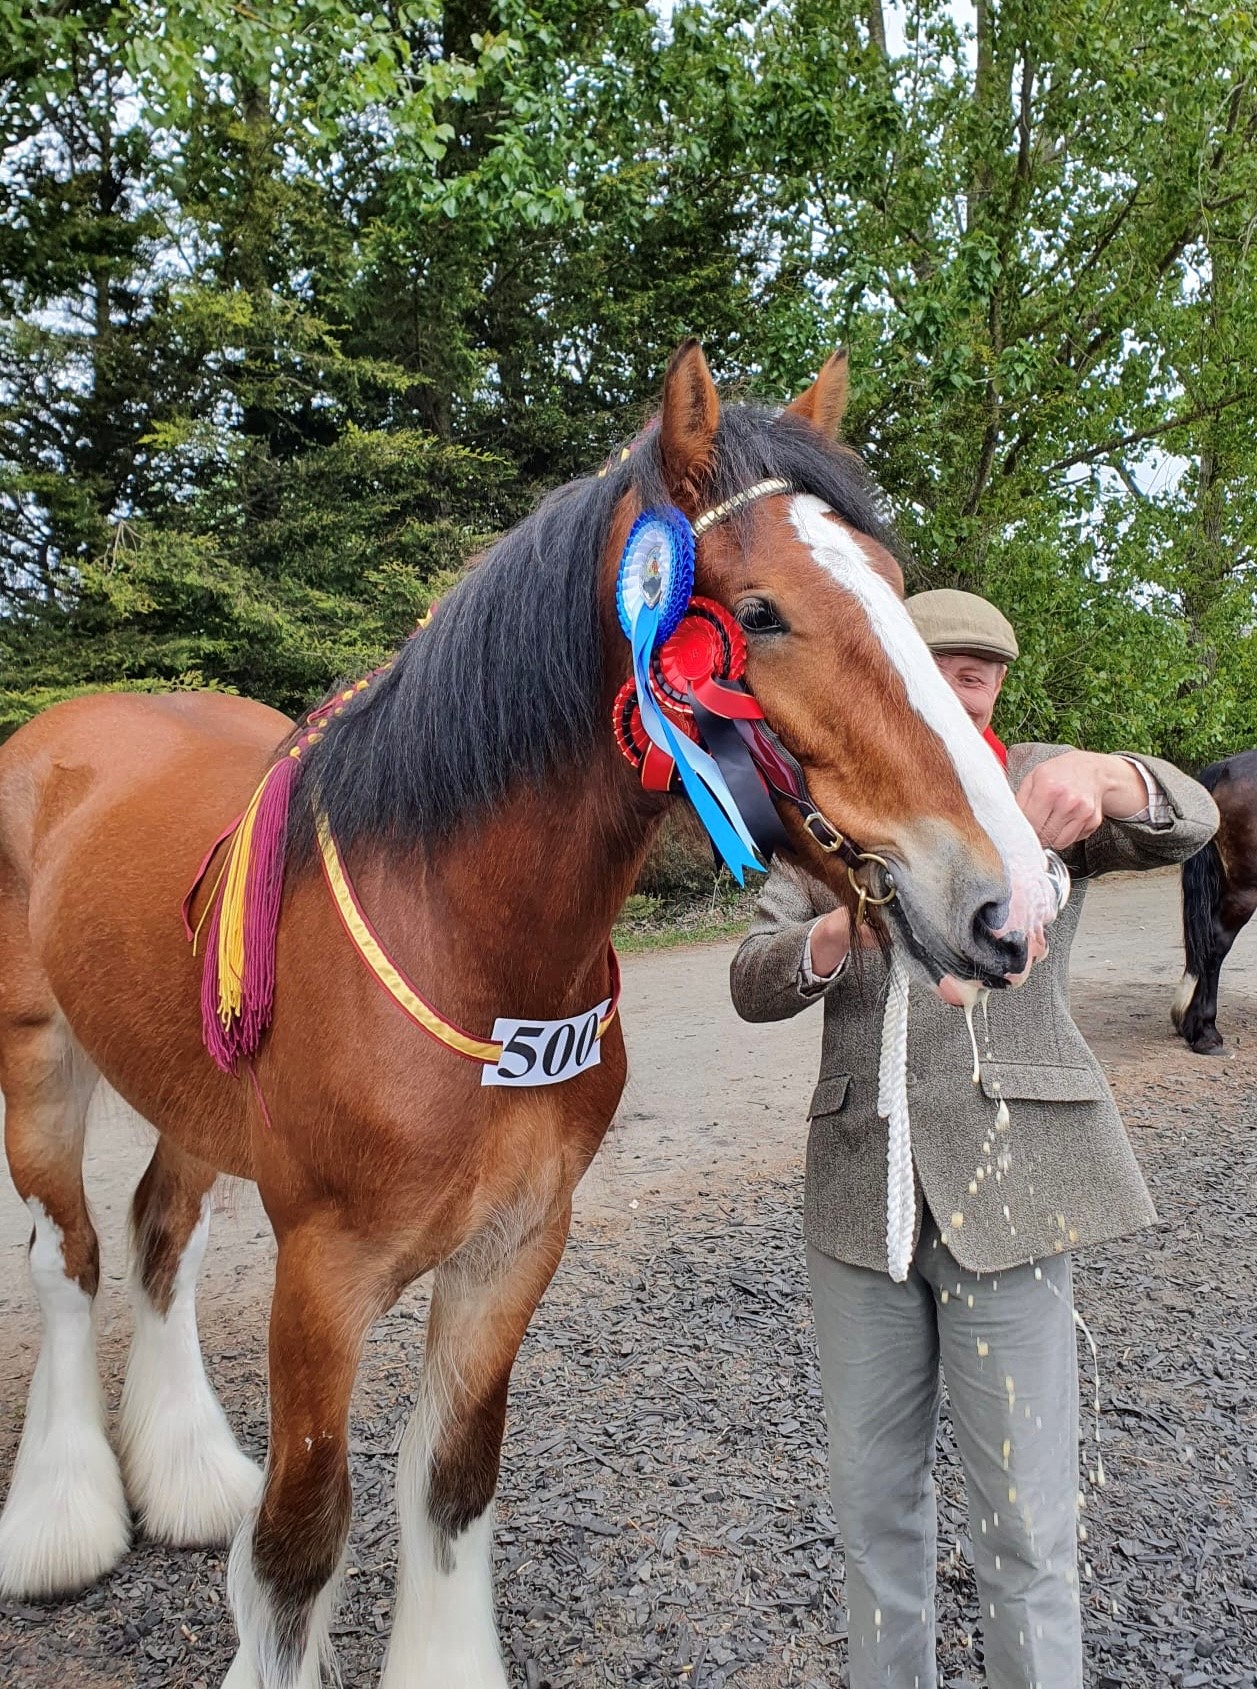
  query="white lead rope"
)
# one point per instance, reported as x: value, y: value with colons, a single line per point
x: 892, y: 1094
x: 892, y: 1106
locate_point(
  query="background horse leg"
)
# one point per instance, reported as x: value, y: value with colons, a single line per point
x: 1198, y: 1021
x: 1217, y: 906
x: 444, y: 1635
x: 1205, y: 943
x: 65, y: 1522
x: 329, y: 1287
x: 187, y: 1479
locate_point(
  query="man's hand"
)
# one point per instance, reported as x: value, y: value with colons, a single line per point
x: 1066, y: 798
x: 831, y: 940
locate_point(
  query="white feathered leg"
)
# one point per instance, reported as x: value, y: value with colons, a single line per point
x: 65, y: 1522
x: 187, y: 1477
x: 444, y: 1632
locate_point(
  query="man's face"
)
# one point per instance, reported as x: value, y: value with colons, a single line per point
x: 976, y: 681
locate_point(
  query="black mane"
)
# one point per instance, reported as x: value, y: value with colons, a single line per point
x: 504, y: 684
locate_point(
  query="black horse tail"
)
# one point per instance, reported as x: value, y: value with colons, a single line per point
x: 1203, y: 883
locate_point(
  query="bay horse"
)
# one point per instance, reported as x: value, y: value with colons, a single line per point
x: 1219, y: 897
x: 492, y: 828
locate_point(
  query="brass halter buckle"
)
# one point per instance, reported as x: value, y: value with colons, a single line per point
x: 829, y: 844
x: 866, y: 899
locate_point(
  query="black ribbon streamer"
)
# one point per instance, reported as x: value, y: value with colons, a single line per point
x: 750, y: 793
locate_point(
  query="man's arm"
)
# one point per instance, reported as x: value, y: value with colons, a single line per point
x: 1102, y: 813
x: 794, y: 953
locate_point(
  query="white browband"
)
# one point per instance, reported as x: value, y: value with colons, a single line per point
x: 731, y: 506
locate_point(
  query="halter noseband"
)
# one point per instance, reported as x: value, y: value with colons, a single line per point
x: 756, y: 767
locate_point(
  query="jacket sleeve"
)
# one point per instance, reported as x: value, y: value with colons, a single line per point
x: 764, y: 975
x: 1135, y: 844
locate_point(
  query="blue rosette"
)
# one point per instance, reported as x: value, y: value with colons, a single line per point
x: 653, y: 588
x: 656, y: 578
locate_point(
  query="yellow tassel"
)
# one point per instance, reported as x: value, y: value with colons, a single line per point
x: 231, y: 919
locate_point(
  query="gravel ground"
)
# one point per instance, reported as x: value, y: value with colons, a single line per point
x: 664, y: 1519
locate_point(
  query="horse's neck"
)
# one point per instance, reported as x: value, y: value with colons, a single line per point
x: 564, y: 859
x: 519, y: 908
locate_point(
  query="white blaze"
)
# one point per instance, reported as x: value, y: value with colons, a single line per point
x: 838, y: 551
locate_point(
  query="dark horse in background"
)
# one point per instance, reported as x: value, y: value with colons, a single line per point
x: 1219, y: 896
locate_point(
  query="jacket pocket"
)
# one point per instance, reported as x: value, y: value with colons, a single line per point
x: 830, y: 1095
x: 1045, y: 1082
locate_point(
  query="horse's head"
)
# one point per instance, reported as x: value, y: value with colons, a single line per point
x: 889, y: 756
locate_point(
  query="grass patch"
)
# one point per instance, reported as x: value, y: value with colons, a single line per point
x: 650, y: 922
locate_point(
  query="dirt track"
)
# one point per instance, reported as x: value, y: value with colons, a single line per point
x: 690, y: 1215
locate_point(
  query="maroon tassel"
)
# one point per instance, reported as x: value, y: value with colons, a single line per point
x: 238, y: 982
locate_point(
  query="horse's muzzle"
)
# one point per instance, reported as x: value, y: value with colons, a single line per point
x: 983, y: 941
x: 996, y: 942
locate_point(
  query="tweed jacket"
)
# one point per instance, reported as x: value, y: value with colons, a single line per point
x: 1062, y: 1171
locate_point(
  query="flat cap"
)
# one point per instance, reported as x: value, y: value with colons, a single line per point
x: 948, y: 620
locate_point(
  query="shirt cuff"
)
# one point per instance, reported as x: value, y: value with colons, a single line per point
x: 1156, y: 812
x: 810, y: 983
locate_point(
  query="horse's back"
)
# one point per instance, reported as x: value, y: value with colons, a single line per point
x: 1235, y: 776
x: 166, y: 752
x: 108, y: 804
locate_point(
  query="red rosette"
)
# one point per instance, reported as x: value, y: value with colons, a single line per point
x: 626, y: 720
x: 707, y: 642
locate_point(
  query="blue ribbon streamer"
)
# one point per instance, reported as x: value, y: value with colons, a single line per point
x: 701, y: 778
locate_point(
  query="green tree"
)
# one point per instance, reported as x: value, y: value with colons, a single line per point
x: 255, y: 253
x: 1033, y: 240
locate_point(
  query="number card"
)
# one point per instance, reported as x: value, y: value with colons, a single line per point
x: 545, y: 1052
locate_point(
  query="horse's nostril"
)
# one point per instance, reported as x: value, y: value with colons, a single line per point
x: 1000, y: 953
x: 988, y: 920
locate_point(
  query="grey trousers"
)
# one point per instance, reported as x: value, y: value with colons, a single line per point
x: 1007, y: 1347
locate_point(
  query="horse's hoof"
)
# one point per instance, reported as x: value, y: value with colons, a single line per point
x: 188, y: 1480
x: 66, y: 1522
x: 1207, y: 1042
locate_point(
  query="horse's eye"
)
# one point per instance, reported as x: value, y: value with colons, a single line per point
x: 757, y: 615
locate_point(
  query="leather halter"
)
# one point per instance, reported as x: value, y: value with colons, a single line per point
x: 755, y: 763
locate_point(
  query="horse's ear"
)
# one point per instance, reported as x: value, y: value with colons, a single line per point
x: 825, y: 400
x: 688, y: 418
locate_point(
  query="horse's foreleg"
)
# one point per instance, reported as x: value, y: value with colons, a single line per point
x: 444, y: 1635
x: 65, y: 1521
x: 329, y: 1287
x: 185, y: 1474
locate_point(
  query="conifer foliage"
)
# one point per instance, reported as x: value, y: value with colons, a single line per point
x: 303, y: 301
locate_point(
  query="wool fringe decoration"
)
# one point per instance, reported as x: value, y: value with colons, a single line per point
x: 892, y: 1105
x: 238, y: 977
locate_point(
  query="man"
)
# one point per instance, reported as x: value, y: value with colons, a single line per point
x: 999, y: 1206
